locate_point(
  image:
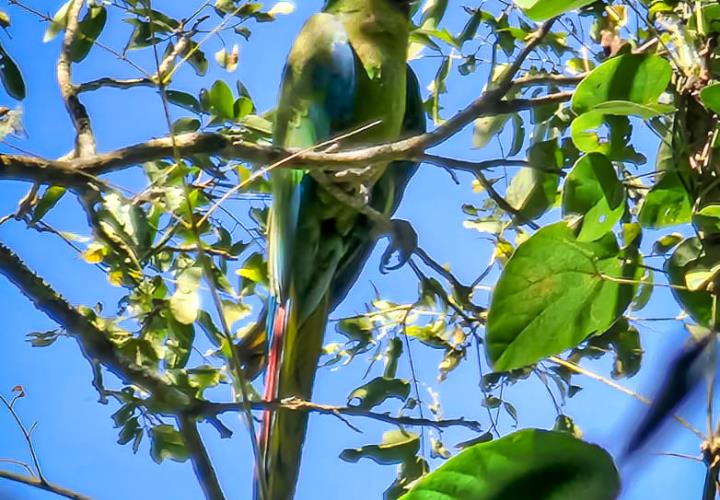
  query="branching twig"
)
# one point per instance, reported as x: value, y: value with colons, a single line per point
x: 202, y: 464
x: 84, y: 138
x: 19, y: 464
x: 213, y: 409
x: 502, y: 202
x: 27, y: 434
x: 43, y: 485
x: 93, y: 338
x: 471, y: 166
x: 36, y: 478
x: 75, y: 172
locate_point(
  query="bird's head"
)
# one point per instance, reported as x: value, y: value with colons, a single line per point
x: 404, y: 6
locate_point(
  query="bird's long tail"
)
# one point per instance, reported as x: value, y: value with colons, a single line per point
x: 276, y: 327
x: 292, y: 363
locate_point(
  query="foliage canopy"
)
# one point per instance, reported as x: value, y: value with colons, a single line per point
x: 568, y: 211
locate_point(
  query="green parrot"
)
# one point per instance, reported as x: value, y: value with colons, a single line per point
x: 347, y: 70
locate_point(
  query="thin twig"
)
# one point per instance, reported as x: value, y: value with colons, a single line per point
x: 19, y: 464
x: 413, y: 373
x: 474, y: 166
x: 481, y: 382
x: 27, y: 434
x: 503, y: 203
x: 646, y: 401
x: 213, y: 409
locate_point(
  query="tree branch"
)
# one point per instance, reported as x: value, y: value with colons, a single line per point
x: 43, y: 485
x: 70, y: 172
x: 114, y: 83
x: 209, y: 409
x: 550, y: 79
x: 202, y: 464
x: 84, y: 138
x: 92, y: 336
x: 471, y: 166
x: 77, y: 172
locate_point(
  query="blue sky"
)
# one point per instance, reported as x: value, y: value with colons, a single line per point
x: 75, y: 438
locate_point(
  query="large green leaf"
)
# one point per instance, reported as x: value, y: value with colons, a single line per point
x: 532, y: 190
x: 554, y: 292
x: 89, y: 30
x: 222, y: 101
x: 688, y: 258
x: 707, y: 219
x: 636, y: 78
x: 586, y: 132
x: 531, y: 463
x: 11, y: 77
x: 593, y: 190
x: 710, y: 97
x: 539, y: 10
x: 666, y: 204
x: 627, y: 85
x: 585, y: 128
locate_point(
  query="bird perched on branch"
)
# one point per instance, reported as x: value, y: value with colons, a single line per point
x: 346, y: 72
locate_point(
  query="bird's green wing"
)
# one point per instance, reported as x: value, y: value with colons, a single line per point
x: 386, y: 197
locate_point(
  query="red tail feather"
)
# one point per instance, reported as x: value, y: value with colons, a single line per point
x: 273, y: 369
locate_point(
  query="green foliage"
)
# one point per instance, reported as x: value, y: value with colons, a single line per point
x: 526, y: 464
x: 190, y: 265
x: 690, y: 269
x: 89, y: 29
x: 593, y: 190
x: 397, y: 447
x: 630, y: 78
x: 378, y: 390
x: 710, y: 97
x: 167, y: 443
x: 11, y: 77
x: 555, y: 283
x: 532, y: 190
x: 539, y: 10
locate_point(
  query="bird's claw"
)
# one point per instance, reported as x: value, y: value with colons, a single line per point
x: 403, y: 242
